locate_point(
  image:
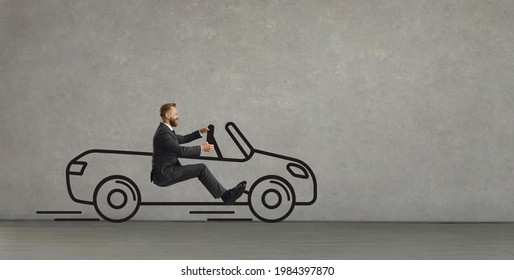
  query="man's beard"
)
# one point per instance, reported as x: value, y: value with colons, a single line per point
x: 174, y: 123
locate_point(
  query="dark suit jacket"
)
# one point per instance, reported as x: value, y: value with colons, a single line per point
x: 167, y: 149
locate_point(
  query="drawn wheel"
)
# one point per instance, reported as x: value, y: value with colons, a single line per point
x: 116, y: 199
x: 271, y: 199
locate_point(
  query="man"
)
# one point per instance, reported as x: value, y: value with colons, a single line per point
x: 166, y: 168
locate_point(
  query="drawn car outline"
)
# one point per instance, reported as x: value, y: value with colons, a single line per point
x: 128, y: 192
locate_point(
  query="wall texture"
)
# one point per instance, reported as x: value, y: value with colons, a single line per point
x: 403, y: 109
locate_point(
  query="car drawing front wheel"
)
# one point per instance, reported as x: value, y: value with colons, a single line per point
x: 271, y: 199
x: 116, y: 199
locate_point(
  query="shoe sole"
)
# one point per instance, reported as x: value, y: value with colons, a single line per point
x: 232, y: 201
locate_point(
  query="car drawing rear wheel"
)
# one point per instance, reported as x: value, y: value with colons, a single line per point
x: 116, y: 199
x: 271, y: 199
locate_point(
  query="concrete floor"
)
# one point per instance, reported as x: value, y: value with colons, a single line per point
x: 254, y: 240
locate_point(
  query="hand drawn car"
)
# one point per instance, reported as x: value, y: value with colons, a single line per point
x: 278, y: 183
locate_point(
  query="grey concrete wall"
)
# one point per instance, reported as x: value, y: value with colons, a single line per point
x: 403, y: 109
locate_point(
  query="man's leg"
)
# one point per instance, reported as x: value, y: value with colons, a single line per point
x: 205, y: 176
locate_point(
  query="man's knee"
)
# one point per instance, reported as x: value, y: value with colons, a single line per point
x: 202, y: 167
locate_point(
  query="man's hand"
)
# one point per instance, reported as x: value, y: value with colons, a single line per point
x: 206, y: 147
x: 204, y: 130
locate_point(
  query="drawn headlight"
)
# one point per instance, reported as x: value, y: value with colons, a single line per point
x: 77, y: 168
x: 297, y: 170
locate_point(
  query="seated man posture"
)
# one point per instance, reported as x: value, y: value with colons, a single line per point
x: 166, y: 168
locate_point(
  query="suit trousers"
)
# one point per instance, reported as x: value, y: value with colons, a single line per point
x: 199, y: 171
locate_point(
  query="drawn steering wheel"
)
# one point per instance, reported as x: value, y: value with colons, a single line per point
x: 212, y: 140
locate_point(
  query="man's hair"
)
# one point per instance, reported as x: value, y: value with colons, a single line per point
x: 166, y: 107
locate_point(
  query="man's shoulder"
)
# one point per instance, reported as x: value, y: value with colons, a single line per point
x: 162, y: 129
x: 160, y: 126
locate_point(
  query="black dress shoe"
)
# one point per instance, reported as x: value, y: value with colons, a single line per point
x: 235, y: 193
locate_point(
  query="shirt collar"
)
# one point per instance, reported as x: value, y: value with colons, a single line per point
x: 168, y: 126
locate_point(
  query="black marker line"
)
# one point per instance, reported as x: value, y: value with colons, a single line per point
x: 229, y: 220
x: 212, y: 212
x: 59, y: 212
x: 77, y: 220
x: 191, y: 203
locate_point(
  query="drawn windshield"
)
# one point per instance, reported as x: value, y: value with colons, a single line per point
x: 239, y: 139
x: 243, y: 147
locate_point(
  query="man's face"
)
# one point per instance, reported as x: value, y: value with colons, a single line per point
x: 173, y: 116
